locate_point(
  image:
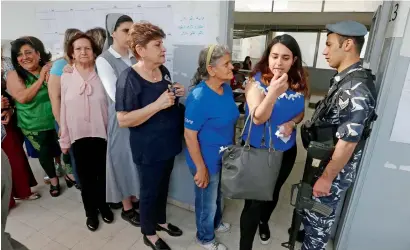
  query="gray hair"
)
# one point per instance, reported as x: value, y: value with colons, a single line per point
x: 202, y: 72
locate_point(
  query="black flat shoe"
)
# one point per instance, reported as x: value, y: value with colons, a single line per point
x: 171, y: 230
x: 132, y: 217
x: 136, y: 205
x: 159, y: 244
x: 92, y: 223
x: 107, y: 215
x: 115, y: 205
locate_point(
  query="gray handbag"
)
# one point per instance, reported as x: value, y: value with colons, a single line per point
x: 250, y: 173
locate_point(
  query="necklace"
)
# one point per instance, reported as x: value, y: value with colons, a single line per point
x: 151, y: 75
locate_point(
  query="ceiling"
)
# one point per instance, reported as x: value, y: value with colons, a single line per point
x: 249, y: 24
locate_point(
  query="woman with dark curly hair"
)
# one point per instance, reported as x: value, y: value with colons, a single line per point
x: 28, y: 86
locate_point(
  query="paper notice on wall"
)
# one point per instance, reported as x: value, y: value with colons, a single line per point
x: 397, y: 19
x: 400, y: 132
x: 194, y: 29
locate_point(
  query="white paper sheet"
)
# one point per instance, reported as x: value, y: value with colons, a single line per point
x: 400, y: 132
x: 192, y: 29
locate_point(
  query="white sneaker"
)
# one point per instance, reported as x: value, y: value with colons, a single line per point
x: 213, y: 246
x: 223, y: 228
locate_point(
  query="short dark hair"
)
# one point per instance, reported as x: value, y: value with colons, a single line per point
x: 70, y: 47
x: 357, y: 40
x: 141, y: 34
x: 122, y: 19
x: 37, y: 45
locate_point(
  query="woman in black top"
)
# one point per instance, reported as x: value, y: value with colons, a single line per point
x: 247, y: 63
x: 146, y: 102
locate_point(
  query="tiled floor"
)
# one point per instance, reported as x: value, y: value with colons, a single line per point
x: 59, y: 223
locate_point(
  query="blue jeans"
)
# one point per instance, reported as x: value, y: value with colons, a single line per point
x: 208, y: 210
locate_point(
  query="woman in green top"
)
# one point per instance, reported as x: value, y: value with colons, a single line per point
x: 28, y: 86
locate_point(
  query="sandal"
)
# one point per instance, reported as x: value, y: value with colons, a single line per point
x: 54, y: 190
x: 69, y: 181
x: 32, y: 197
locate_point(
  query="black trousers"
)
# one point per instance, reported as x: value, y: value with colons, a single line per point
x: 154, y: 183
x: 260, y: 211
x: 90, y: 158
x: 46, y: 144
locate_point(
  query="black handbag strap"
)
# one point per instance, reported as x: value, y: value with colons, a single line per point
x: 267, y: 123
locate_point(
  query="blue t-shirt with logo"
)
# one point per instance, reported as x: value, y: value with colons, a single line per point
x: 214, y: 117
x: 287, y: 106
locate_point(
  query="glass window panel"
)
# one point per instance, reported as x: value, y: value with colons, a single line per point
x: 253, y: 6
x: 250, y: 46
x: 297, y: 6
x: 321, y: 61
x: 351, y: 5
x: 307, y: 44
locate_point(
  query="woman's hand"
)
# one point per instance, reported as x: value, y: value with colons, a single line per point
x: 65, y: 150
x: 278, y: 85
x: 180, y: 89
x: 68, y: 69
x: 45, y: 72
x: 201, y: 178
x: 5, y: 116
x: 288, y: 128
x: 166, y: 100
x: 5, y: 104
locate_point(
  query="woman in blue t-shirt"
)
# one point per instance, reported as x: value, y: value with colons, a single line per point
x: 210, y: 118
x: 275, y: 92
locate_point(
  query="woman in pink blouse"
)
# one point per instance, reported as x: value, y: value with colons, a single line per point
x: 83, y: 119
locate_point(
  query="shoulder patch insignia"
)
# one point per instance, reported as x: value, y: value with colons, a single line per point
x: 343, y: 104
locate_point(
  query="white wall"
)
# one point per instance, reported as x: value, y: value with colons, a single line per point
x: 14, y: 19
x: 307, y: 5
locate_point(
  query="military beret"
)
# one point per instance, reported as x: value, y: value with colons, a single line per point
x: 347, y: 28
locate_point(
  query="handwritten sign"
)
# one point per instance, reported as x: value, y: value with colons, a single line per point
x: 192, y: 26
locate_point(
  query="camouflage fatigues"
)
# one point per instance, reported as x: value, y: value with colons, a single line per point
x: 351, y: 109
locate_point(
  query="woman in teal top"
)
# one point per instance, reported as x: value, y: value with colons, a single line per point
x: 28, y: 86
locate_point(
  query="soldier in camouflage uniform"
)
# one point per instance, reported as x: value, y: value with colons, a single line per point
x: 351, y: 109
